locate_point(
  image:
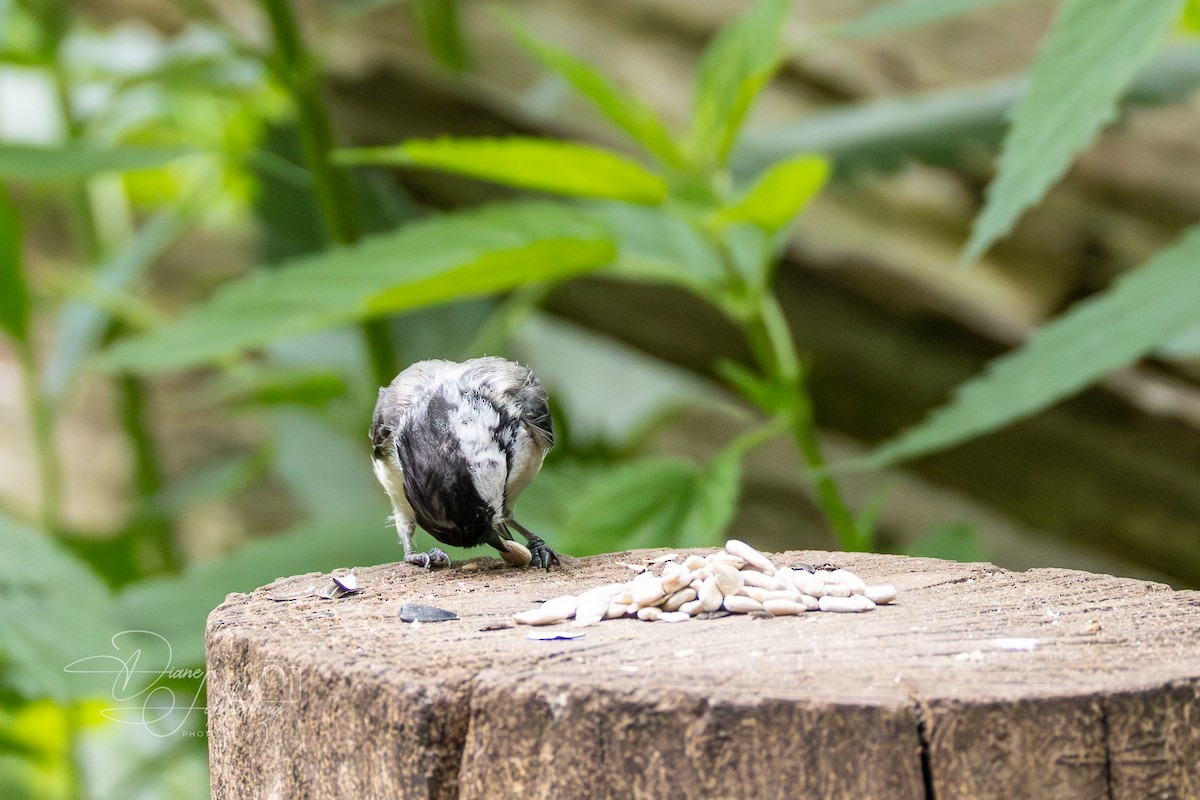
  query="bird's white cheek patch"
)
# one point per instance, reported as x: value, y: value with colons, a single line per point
x: 392, y: 479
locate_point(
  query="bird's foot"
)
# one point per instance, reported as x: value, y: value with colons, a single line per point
x: 543, y: 556
x: 434, y: 558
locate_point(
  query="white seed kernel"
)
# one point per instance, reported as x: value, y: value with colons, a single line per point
x: 761, y: 580
x: 781, y: 607
x: 850, y: 580
x: 737, y: 604
x: 710, y: 594
x: 751, y: 556
x: 675, y: 601
x: 729, y: 580
x: 882, y: 594
x: 692, y: 607
x: 852, y: 604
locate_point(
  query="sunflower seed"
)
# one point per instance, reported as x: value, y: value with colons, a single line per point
x: 751, y: 556
x: 675, y: 601
x: 710, y: 594
x: 882, y: 594
x: 852, y: 604
x: 729, y: 580
x: 518, y: 554
x: 741, y: 605
x: 549, y: 612
x: 781, y: 607
x: 850, y: 580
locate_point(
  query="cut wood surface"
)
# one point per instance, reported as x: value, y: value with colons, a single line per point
x: 976, y: 683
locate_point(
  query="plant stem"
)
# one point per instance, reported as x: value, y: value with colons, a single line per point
x: 154, y: 529
x: 42, y: 418
x: 769, y: 328
x: 757, y: 311
x: 335, y: 195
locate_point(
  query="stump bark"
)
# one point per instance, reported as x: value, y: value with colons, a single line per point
x: 977, y: 683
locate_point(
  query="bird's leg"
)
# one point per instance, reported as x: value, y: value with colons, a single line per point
x: 543, y: 556
x: 434, y: 558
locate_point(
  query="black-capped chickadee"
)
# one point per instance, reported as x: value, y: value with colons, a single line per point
x: 454, y: 445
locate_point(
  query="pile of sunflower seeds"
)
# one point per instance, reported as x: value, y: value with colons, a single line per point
x: 737, y: 579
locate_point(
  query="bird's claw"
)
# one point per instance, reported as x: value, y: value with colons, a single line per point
x: 434, y: 558
x: 543, y: 556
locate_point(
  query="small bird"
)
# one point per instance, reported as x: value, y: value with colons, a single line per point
x: 454, y: 445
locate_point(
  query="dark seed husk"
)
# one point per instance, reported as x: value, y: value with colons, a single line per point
x: 419, y: 612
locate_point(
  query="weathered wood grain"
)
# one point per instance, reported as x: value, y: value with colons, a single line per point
x: 1099, y: 695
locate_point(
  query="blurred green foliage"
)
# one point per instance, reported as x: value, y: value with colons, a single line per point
x: 210, y: 133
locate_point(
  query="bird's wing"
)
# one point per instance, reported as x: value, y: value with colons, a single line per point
x: 535, y: 410
x: 517, y: 383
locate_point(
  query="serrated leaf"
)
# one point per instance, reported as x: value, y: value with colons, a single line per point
x: 546, y: 165
x: 780, y: 193
x: 1093, y: 338
x: 665, y: 502
x: 909, y: 14
x: 1087, y: 62
x: 735, y: 67
x: 654, y: 244
x: 14, y: 296
x: 941, y: 128
x: 628, y: 113
x: 466, y: 254
x: 53, y: 611
x: 69, y: 161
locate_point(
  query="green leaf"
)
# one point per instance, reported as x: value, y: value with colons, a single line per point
x: 175, y: 607
x: 665, y: 502
x: 654, y: 244
x: 466, y: 254
x: 439, y: 24
x: 766, y: 394
x: 53, y: 611
x: 1086, y: 64
x: 279, y: 386
x: 714, y: 501
x: 628, y: 113
x: 1190, y: 20
x: 1095, y: 337
x: 909, y: 14
x: 81, y: 325
x: 944, y: 128
x: 327, y: 472
x: 734, y: 69
x: 1183, y: 346
x: 779, y: 194
x: 66, y: 162
x: 14, y: 296
x: 956, y: 541
x: 547, y: 165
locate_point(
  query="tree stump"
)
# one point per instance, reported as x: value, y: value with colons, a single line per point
x: 976, y: 683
